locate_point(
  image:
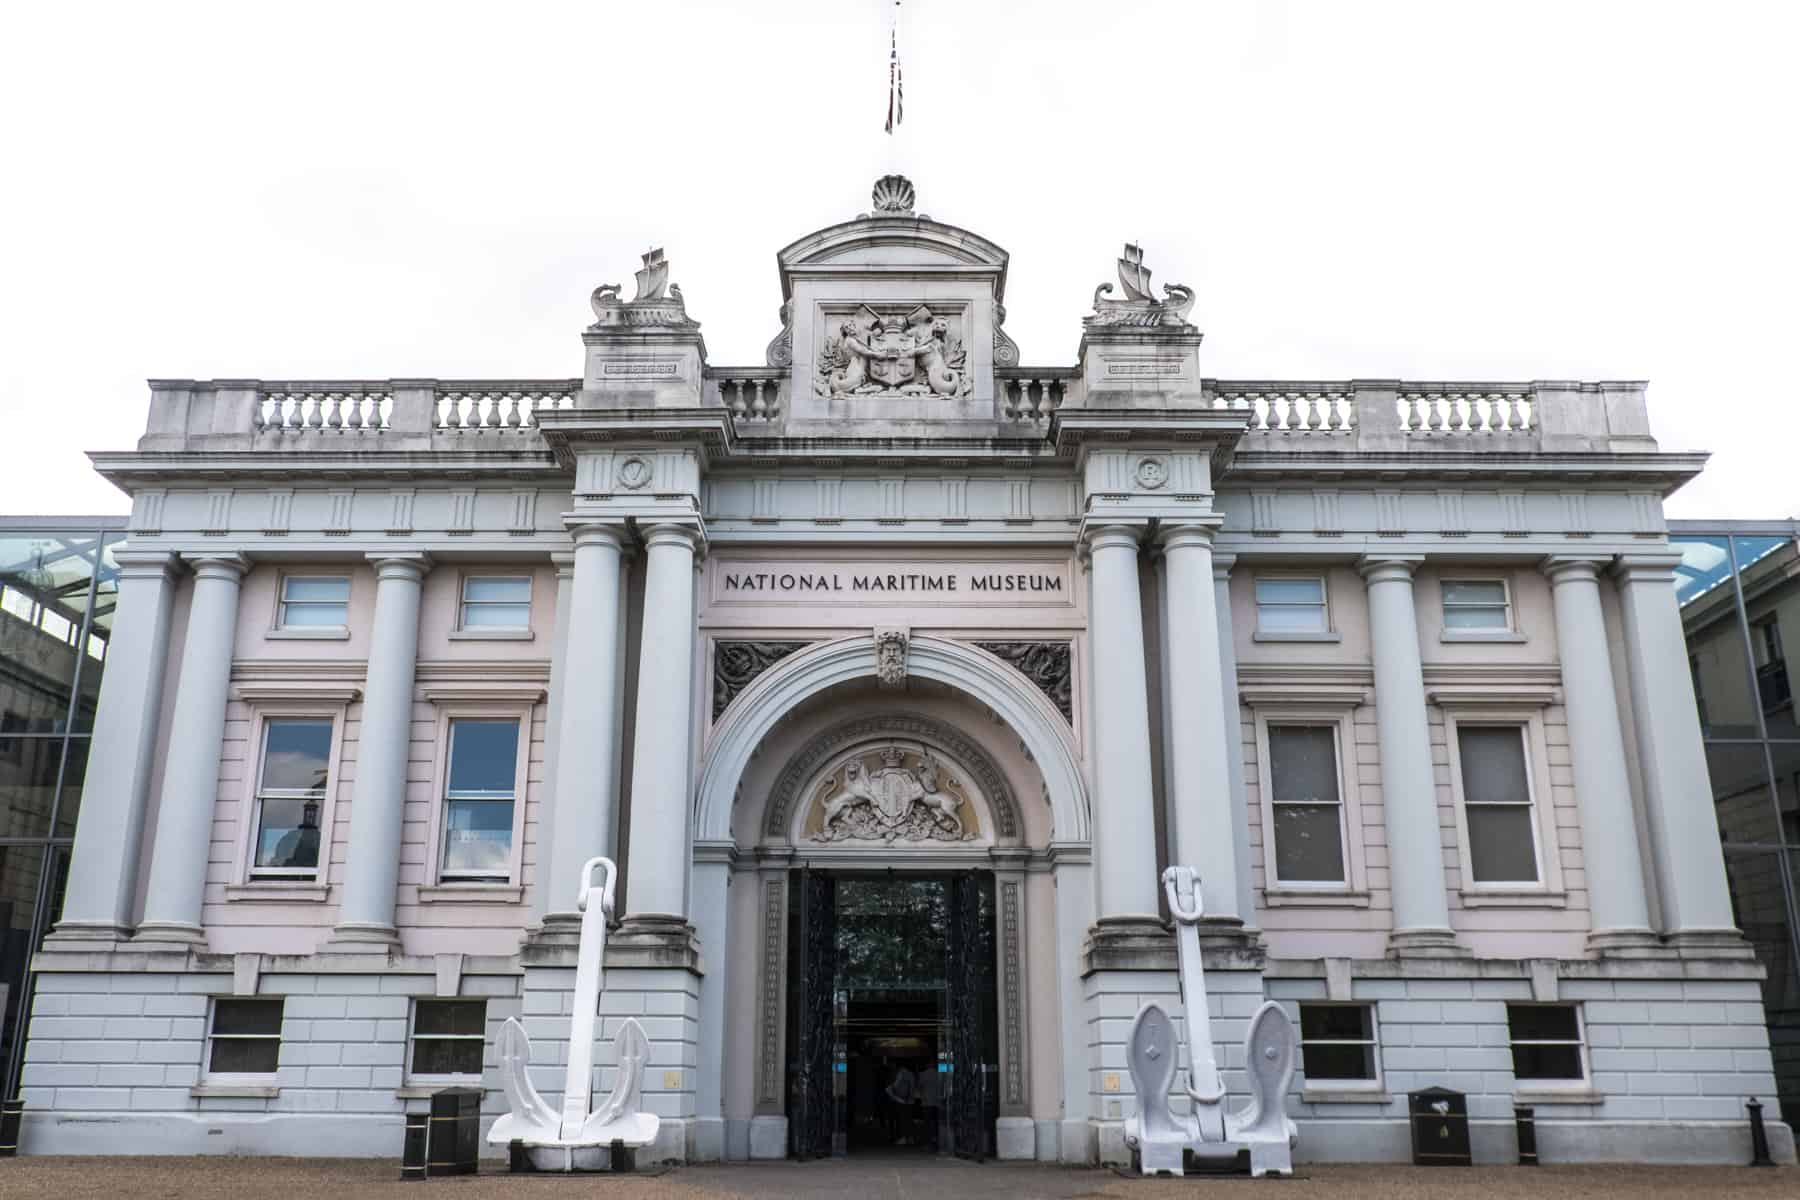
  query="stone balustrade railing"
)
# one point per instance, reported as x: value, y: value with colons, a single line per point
x: 753, y: 395
x: 1290, y: 407
x: 1459, y: 409
x: 295, y: 408
x: 1031, y: 394
x: 481, y: 406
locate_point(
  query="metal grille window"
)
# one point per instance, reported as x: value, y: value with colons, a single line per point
x: 245, y: 1037
x: 1288, y: 605
x: 1308, y: 810
x: 1337, y: 1043
x: 1497, y: 804
x: 479, y: 794
x: 496, y: 602
x: 314, y: 602
x: 1546, y: 1042
x: 447, y: 1037
x: 1476, y: 604
x: 290, y: 795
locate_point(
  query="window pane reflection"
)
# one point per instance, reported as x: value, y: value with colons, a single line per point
x: 1723, y: 683
x: 27, y: 784
x: 1741, y: 798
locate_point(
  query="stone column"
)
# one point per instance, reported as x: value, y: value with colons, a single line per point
x: 378, y: 802
x: 1408, y: 784
x: 1124, y: 821
x: 1619, y: 910
x: 584, y: 800
x: 1234, y: 736
x: 1199, y: 790
x: 1684, y: 832
x: 190, y: 780
x: 103, y: 866
x: 661, y: 764
x: 559, y: 677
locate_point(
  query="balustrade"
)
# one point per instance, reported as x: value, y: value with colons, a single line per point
x: 1287, y: 409
x: 497, y: 408
x: 297, y: 408
x: 1467, y: 412
x: 1031, y: 394
x: 752, y: 395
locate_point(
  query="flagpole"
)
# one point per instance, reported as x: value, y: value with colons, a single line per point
x: 894, y: 128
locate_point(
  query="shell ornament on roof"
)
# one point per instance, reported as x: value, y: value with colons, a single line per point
x: 1140, y: 309
x: 657, y: 303
x: 893, y: 196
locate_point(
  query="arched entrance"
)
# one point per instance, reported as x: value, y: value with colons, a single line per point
x: 953, y: 797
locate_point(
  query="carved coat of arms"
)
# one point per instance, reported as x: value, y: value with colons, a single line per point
x: 871, y: 354
x: 881, y: 797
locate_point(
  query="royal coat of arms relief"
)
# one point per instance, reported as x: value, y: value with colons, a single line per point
x: 892, y: 354
x: 892, y: 794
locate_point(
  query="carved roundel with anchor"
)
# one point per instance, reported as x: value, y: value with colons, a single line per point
x: 634, y: 472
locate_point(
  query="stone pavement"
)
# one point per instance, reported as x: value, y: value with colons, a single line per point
x: 862, y: 1179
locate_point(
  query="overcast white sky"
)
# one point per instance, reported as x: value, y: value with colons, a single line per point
x: 1429, y: 190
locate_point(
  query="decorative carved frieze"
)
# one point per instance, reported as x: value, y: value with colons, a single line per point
x: 1046, y: 664
x: 737, y: 664
x: 893, y: 794
x: 893, y: 353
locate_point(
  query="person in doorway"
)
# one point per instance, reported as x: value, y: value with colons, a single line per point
x: 902, y: 1089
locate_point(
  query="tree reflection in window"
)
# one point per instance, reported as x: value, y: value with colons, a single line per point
x: 890, y: 932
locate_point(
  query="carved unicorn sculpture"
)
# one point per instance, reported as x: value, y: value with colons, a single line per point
x: 578, y: 1139
x: 1262, y: 1126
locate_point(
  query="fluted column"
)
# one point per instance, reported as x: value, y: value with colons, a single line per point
x: 1124, y: 824
x: 378, y: 803
x: 1609, y: 846
x: 661, y: 764
x: 103, y: 868
x: 584, y: 799
x: 1408, y: 785
x: 190, y: 779
x: 1199, y: 792
x: 1690, y: 866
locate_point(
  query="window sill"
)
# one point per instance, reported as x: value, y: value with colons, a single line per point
x: 233, y: 1091
x: 274, y: 891
x: 323, y: 633
x: 425, y: 1091
x: 1512, y: 898
x: 1295, y: 897
x: 471, y: 893
x: 491, y: 635
x: 1552, y: 1094
x: 1346, y: 1095
x: 1481, y: 635
x: 1297, y: 636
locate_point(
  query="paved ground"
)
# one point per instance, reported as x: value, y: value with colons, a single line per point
x: 342, y: 1179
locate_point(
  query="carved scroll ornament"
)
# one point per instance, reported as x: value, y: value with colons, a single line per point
x: 1046, y: 664
x: 737, y: 664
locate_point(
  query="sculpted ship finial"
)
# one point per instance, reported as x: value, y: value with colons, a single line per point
x: 1140, y: 308
x: 657, y: 303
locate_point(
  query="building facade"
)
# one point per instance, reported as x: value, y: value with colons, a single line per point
x: 893, y: 672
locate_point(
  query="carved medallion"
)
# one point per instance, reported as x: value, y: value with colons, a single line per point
x: 633, y: 473
x: 1152, y: 473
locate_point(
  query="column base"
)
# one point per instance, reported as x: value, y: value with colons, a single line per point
x: 653, y: 940
x: 1426, y: 943
x: 1626, y: 943
x: 86, y: 935
x: 1710, y: 943
x: 361, y: 938
x: 173, y: 933
x: 768, y: 1137
x: 1128, y: 943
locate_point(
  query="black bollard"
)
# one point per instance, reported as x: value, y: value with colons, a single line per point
x: 12, y: 1112
x: 1759, y: 1136
x: 518, y: 1158
x: 412, y: 1153
x: 1525, y: 1118
x: 621, y: 1159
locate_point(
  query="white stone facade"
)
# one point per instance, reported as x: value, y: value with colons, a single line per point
x: 893, y: 600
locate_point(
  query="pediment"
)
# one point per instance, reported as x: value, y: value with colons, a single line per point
x: 883, y: 244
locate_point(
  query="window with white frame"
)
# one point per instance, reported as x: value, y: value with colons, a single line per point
x: 447, y: 1037
x: 1498, y: 808
x: 1337, y: 1044
x: 1476, y: 605
x: 292, y: 781
x: 314, y: 602
x: 1306, y: 803
x: 1546, y: 1042
x: 245, y: 1038
x: 1291, y: 605
x: 480, y: 790
x: 496, y: 602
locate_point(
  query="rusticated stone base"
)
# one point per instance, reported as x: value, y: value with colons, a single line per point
x: 654, y: 940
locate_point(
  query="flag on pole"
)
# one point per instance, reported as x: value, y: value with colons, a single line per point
x: 896, y: 90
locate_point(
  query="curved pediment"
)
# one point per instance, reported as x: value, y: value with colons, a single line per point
x: 893, y: 236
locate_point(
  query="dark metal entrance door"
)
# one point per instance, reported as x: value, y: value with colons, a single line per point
x: 969, y: 970
x: 812, y: 947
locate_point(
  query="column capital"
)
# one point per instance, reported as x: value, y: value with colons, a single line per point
x: 1102, y: 537
x: 1573, y: 568
x: 1388, y: 568
x: 147, y: 564
x: 1187, y: 535
x: 669, y: 533
x: 1223, y: 562
x: 409, y: 565
x: 564, y: 562
x: 226, y: 564
x: 584, y: 531
x: 1646, y: 568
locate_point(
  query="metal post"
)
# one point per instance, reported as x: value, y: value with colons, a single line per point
x: 1525, y: 1118
x: 1759, y: 1136
x: 412, y: 1153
